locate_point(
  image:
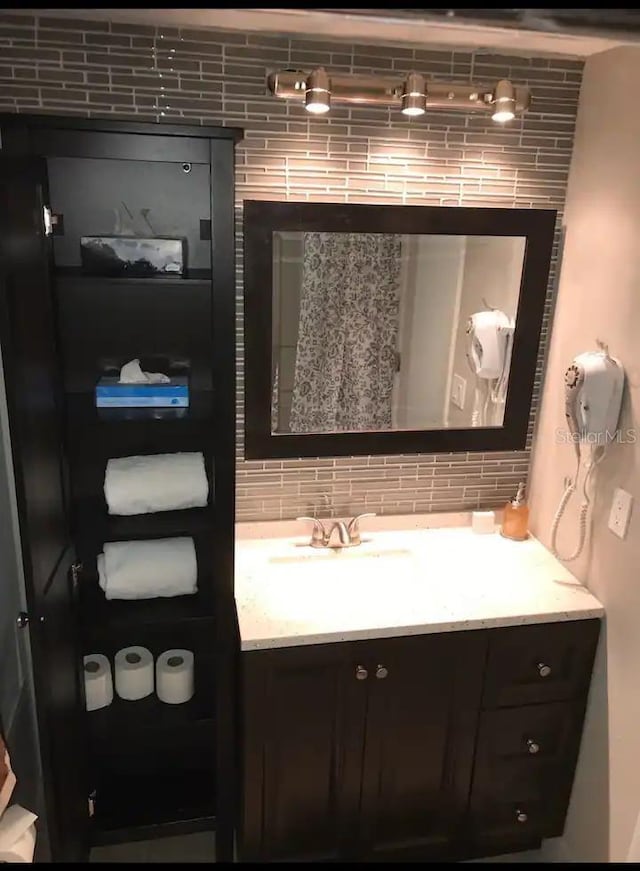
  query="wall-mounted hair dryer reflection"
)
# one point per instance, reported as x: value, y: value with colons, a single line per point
x: 489, y: 346
x: 593, y: 386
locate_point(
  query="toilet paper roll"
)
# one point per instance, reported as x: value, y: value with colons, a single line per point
x: 98, y: 682
x: 174, y: 676
x: 17, y: 835
x: 134, y: 673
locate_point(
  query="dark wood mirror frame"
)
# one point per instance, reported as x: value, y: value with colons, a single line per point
x: 262, y: 219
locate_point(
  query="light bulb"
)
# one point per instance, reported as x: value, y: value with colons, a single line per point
x: 317, y: 99
x: 414, y: 95
x: 504, y: 102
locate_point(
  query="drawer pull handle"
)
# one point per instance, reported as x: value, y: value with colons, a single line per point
x: 544, y: 670
x: 521, y: 816
x: 381, y: 672
x: 533, y: 746
x: 361, y: 673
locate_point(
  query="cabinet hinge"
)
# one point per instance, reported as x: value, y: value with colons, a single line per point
x: 47, y: 220
x: 398, y: 360
x: 76, y: 569
x: 53, y: 223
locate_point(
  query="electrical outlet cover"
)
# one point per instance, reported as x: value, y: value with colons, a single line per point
x: 458, y: 391
x: 620, y: 513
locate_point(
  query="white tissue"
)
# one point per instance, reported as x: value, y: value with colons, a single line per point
x: 174, y: 676
x: 156, y: 482
x: 131, y: 373
x: 17, y: 835
x: 98, y: 683
x: 134, y: 673
x: 146, y: 569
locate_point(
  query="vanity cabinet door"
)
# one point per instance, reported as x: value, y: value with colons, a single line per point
x: 304, y: 714
x: 424, y: 700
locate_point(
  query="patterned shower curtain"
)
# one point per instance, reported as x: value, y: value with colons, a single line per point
x: 347, y: 336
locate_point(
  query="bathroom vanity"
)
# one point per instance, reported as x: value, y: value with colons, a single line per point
x: 420, y: 696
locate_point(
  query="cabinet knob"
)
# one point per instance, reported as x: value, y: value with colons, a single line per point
x: 544, y: 670
x: 533, y: 746
x: 521, y: 816
x: 381, y: 672
x: 361, y: 673
x: 22, y: 620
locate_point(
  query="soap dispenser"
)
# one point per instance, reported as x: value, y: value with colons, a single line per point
x: 515, y: 518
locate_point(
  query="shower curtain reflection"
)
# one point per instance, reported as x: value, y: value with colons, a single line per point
x: 347, y: 336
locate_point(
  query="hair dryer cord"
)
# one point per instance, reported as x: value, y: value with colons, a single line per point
x: 583, y: 517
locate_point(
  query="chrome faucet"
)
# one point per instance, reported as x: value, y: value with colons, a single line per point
x: 348, y: 533
x: 344, y: 538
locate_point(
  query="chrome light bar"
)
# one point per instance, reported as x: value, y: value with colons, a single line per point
x: 382, y: 91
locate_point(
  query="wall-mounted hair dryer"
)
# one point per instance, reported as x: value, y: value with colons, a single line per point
x: 593, y: 386
x: 488, y: 350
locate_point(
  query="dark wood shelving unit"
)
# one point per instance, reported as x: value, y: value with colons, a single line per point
x: 150, y: 769
x: 105, y: 423
x: 94, y: 523
x: 193, y: 276
x: 140, y: 807
x: 114, y: 723
x: 117, y: 616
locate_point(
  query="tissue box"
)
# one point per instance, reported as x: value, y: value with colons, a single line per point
x: 111, y: 394
x: 132, y: 256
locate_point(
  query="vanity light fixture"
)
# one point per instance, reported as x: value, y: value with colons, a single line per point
x: 414, y: 95
x: 318, y: 90
x: 504, y: 102
x: 317, y: 97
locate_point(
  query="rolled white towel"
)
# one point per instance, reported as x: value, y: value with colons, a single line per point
x: 145, y: 569
x: 157, y: 482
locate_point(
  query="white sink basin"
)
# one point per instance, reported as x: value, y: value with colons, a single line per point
x: 350, y: 585
x: 341, y: 554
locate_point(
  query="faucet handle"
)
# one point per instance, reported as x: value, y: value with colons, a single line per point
x: 354, y: 528
x: 319, y: 534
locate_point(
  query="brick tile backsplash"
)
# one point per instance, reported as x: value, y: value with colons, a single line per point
x: 372, y: 155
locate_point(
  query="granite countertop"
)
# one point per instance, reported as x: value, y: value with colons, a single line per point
x: 399, y: 582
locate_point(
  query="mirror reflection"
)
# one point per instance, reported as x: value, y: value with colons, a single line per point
x: 375, y: 331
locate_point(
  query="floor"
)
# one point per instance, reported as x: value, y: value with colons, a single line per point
x: 528, y: 856
x: 199, y: 847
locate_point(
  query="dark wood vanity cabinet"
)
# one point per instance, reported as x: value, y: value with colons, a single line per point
x: 351, y: 744
x: 410, y: 748
x: 535, y: 692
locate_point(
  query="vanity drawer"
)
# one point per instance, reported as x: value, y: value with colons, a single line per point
x: 525, y: 759
x: 540, y: 663
x: 510, y: 821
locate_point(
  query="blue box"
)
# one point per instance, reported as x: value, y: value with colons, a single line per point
x: 111, y: 394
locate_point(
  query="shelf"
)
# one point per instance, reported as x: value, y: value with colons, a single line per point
x: 121, y: 717
x: 94, y: 526
x: 155, y: 805
x: 83, y: 414
x: 103, y: 618
x: 193, y: 276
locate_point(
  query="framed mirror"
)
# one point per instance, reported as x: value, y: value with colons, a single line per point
x: 374, y: 329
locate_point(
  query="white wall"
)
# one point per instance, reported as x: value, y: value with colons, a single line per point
x: 599, y: 297
x: 432, y: 273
